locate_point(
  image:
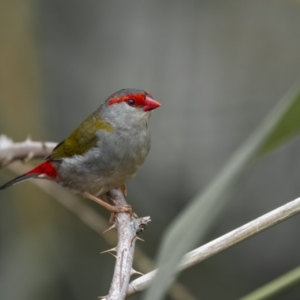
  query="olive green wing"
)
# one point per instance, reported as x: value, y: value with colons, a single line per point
x: 81, y: 139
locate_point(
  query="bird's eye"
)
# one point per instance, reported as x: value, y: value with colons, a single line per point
x: 130, y: 102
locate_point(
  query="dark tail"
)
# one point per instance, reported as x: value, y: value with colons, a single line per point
x: 17, y: 180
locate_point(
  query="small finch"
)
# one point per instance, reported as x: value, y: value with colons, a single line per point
x: 105, y: 151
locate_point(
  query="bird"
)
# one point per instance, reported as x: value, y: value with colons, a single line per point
x: 104, y: 152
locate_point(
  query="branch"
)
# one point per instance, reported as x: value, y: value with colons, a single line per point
x: 224, y: 242
x: 128, y: 228
x: 24, y: 150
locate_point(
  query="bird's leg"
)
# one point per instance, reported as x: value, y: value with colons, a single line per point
x: 111, y: 208
x: 124, y: 192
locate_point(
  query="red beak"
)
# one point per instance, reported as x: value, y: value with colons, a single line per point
x: 150, y: 104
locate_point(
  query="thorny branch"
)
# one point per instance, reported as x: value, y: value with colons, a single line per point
x: 128, y: 228
x: 11, y: 151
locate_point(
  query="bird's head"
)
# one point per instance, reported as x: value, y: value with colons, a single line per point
x: 132, y: 105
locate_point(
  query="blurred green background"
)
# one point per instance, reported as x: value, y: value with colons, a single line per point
x: 217, y: 67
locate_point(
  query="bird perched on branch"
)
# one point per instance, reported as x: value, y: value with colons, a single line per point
x: 105, y: 151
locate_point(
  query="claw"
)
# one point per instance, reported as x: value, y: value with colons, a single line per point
x: 44, y: 145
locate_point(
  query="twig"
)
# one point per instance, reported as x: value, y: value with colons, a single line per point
x: 24, y: 150
x: 128, y: 228
x: 224, y: 242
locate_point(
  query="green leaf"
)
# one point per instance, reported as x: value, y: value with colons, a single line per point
x: 275, y: 287
x: 287, y: 128
x: 190, y: 227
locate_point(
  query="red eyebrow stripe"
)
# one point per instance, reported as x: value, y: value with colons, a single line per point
x: 139, y: 99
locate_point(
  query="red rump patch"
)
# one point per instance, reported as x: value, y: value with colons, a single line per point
x: 45, y: 168
x: 138, y: 98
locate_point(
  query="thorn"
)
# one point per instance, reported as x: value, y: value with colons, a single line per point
x: 115, y: 256
x: 102, y: 297
x: 28, y: 139
x: 109, y: 250
x: 28, y: 157
x: 112, y: 218
x: 44, y: 145
x: 134, y: 215
x: 5, y: 141
x: 110, y: 228
x: 133, y: 271
x: 136, y: 237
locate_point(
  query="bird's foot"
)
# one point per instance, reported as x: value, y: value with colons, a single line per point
x: 112, y: 208
x: 122, y: 209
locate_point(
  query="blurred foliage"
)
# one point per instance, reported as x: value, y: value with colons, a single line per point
x: 276, y: 287
x: 287, y: 128
x: 207, y: 206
